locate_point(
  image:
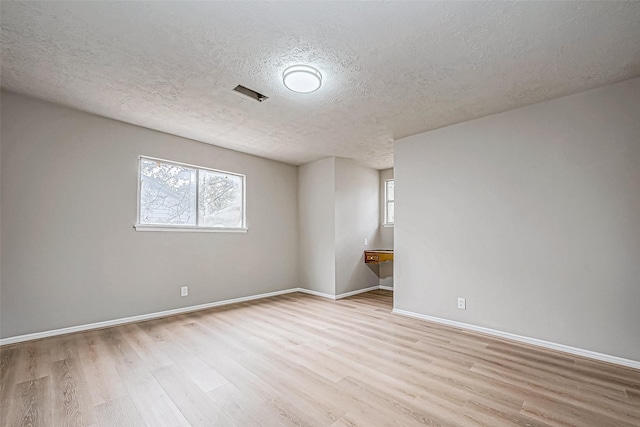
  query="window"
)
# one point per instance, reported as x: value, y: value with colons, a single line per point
x: 389, y: 209
x: 176, y: 196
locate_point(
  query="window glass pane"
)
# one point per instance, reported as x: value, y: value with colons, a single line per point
x: 220, y: 200
x: 390, y: 191
x: 390, y: 213
x: 167, y: 193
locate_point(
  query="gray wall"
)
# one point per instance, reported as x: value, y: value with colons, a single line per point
x: 357, y: 215
x: 316, y: 195
x: 338, y: 209
x: 533, y: 215
x: 69, y: 253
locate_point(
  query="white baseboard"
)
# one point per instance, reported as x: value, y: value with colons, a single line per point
x: 527, y: 340
x: 316, y: 293
x: 346, y: 294
x: 149, y: 316
x: 359, y: 291
x: 386, y: 288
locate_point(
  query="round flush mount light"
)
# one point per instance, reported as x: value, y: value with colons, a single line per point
x: 302, y: 78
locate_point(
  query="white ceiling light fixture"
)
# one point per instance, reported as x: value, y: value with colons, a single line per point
x: 302, y: 78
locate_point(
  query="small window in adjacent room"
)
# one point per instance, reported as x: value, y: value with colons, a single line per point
x: 180, y: 197
x: 389, y: 212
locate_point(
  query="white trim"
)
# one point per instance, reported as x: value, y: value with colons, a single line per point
x: 359, y: 291
x: 527, y: 340
x: 386, y: 223
x: 149, y: 316
x: 316, y: 293
x: 191, y: 228
x: 189, y: 165
x: 345, y: 295
x: 188, y: 229
x: 386, y: 288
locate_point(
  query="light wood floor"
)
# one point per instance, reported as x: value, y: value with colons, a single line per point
x: 303, y: 360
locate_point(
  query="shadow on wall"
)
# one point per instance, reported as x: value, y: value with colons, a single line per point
x: 384, y: 271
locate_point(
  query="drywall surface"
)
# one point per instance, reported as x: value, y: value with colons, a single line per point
x: 356, y: 219
x: 338, y: 209
x: 70, y: 255
x: 316, y: 183
x: 533, y: 215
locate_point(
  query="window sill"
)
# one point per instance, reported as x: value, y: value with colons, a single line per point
x: 145, y: 227
x: 388, y: 225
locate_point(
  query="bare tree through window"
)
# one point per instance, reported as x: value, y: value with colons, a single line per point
x: 389, y: 212
x: 169, y: 193
x: 220, y: 199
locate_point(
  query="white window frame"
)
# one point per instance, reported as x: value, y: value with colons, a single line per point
x: 192, y: 228
x: 386, y: 203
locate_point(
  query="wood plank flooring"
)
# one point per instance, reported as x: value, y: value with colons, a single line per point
x: 300, y: 360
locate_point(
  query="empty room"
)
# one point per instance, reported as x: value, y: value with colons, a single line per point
x: 314, y: 213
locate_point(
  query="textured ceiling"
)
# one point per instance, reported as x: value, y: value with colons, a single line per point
x: 391, y: 69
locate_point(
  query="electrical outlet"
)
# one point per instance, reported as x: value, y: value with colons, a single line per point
x: 184, y: 291
x: 366, y: 241
x: 462, y: 303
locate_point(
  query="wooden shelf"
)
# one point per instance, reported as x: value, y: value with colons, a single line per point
x: 378, y: 256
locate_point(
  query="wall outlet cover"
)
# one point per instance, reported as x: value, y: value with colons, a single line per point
x: 462, y: 303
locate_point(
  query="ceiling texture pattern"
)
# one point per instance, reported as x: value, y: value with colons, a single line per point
x: 390, y: 69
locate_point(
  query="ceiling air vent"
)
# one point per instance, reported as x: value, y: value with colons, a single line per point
x: 251, y: 93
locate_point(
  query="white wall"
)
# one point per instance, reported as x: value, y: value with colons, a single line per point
x: 316, y: 195
x: 69, y: 253
x: 357, y: 218
x: 533, y: 215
